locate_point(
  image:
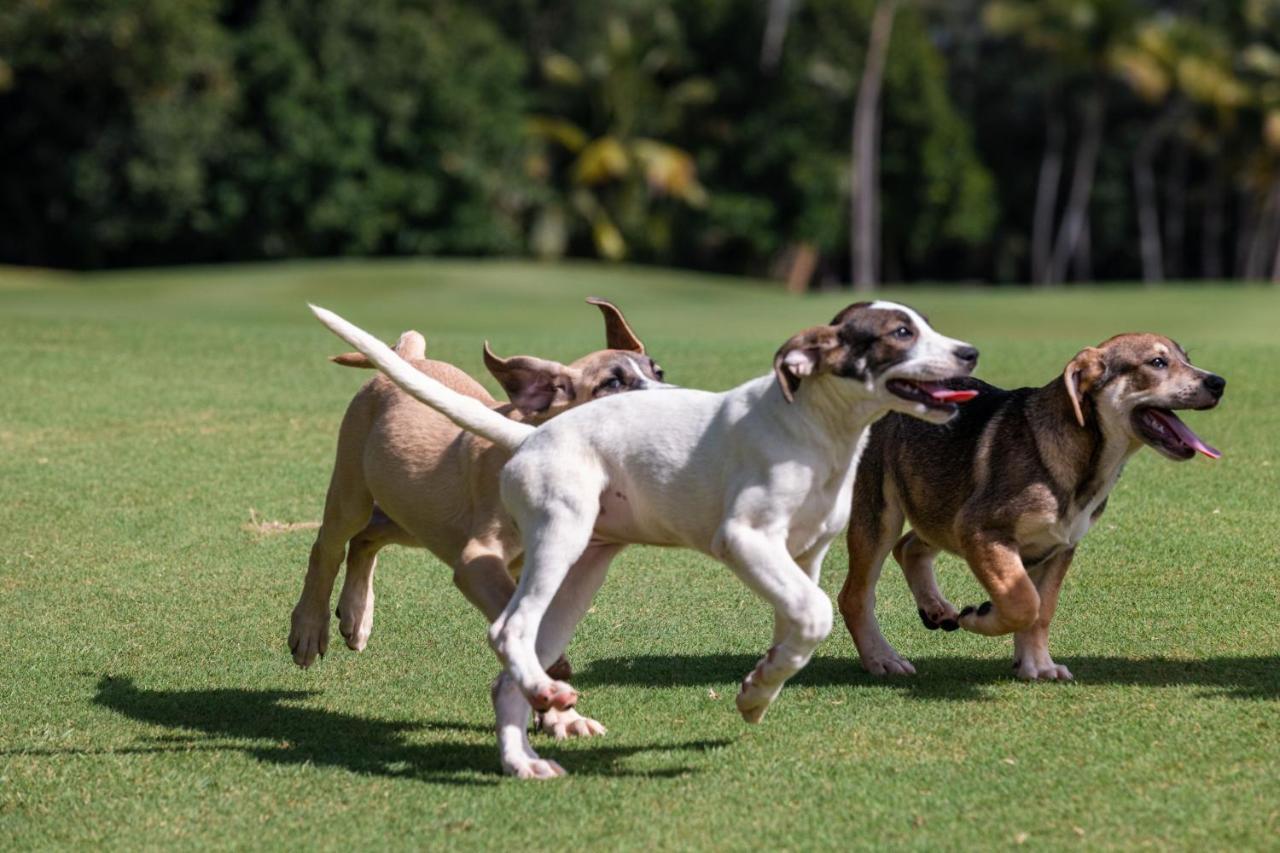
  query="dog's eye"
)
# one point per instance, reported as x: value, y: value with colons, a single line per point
x: 903, y: 332
x: 613, y: 383
x: 1158, y: 363
x: 658, y: 372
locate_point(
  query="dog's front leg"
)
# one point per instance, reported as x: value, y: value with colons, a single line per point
x: 509, y: 703
x: 556, y: 536
x: 1031, y: 658
x: 1015, y: 603
x: 761, y: 561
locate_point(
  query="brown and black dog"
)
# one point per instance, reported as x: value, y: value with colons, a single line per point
x: 1012, y: 484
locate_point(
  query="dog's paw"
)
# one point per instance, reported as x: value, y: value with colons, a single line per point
x: 560, y: 670
x: 755, y: 696
x: 355, y: 623
x: 532, y: 767
x: 946, y: 619
x: 887, y: 662
x: 308, y: 635
x: 553, y: 694
x: 975, y: 619
x: 1041, y: 668
x: 567, y: 724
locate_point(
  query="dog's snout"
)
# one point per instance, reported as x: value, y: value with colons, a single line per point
x: 1215, y: 383
x: 967, y: 354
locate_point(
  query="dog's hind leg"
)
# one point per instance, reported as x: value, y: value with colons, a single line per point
x: 557, y: 525
x: 915, y: 557
x: 510, y: 706
x: 346, y: 510
x: 874, y: 525
x: 1031, y: 660
x: 355, y: 604
x: 763, y: 564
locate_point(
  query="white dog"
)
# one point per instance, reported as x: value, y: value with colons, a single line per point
x: 758, y: 477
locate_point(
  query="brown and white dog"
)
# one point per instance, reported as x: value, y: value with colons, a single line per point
x: 406, y: 475
x: 758, y: 477
x: 1012, y: 484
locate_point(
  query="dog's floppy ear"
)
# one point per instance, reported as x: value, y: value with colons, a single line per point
x: 1081, y: 374
x: 532, y: 384
x: 617, y: 334
x: 802, y: 356
x: 410, y: 346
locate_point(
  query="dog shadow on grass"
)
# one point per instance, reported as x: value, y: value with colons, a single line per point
x: 949, y: 678
x: 287, y: 731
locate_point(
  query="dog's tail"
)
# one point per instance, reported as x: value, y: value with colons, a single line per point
x: 410, y: 346
x: 467, y: 412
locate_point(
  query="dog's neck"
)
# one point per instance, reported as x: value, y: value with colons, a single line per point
x: 832, y: 407
x: 1084, y: 461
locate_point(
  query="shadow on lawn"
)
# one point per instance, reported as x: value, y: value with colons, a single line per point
x: 951, y: 678
x: 297, y: 734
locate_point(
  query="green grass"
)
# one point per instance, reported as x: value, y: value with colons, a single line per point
x: 147, y: 697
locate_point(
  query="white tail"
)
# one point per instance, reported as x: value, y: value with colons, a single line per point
x: 467, y: 412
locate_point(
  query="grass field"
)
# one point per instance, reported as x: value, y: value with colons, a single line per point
x: 147, y: 697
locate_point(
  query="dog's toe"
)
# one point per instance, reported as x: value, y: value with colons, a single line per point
x: 566, y: 724
x: 984, y: 608
x: 949, y: 625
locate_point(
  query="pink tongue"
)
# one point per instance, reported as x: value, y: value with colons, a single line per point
x: 1189, y: 438
x: 946, y: 395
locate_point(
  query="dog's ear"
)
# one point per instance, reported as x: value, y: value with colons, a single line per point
x: 533, y: 384
x: 617, y: 334
x: 410, y: 346
x: 1081, y: 374
x: 802, y: 356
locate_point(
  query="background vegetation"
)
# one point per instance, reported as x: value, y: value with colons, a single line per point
x: 1007, y: 140
x: 147, y: 697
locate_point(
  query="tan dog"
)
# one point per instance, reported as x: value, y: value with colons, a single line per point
x: 436, y: 486
x: 1012, y: 484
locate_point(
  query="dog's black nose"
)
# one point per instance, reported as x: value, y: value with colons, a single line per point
x: 969, y: 354
x: 1215, y: 384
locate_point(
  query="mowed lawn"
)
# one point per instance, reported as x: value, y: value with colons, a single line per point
x: 147, y: 697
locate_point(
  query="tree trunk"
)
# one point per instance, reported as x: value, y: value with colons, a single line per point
x: 1175, y: 194
x: 803, y: 262
x: 1215, y: 225
x: 775, y: 34
x: 1144, y: 191
x: 1082, y: 260
x: 1265, y: 236
x: 1046, y: 196
x: 1082, y: 171
x: 865, y: 187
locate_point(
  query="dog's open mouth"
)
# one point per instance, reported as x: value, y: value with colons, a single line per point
x: 1164, y: 431
x: 934, y: 395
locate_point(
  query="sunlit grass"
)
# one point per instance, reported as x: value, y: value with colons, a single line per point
x: 146, y: 695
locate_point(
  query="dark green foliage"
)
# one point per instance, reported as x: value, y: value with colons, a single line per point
x: 372, y: 127
x: 111, y: 112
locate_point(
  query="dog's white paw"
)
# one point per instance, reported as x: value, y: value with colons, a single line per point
x: 755, y: 696
x: 553, y: 694
x: 1041, y: 668
x: 308, y: 634
x: 567, y: 724
x: 532, y: 767
x: 886, y: 661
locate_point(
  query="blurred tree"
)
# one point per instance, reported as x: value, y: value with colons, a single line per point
x: 373, y: 126
x: 112, y: 111
x: 1078, y: 36
x: 615, y: 108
